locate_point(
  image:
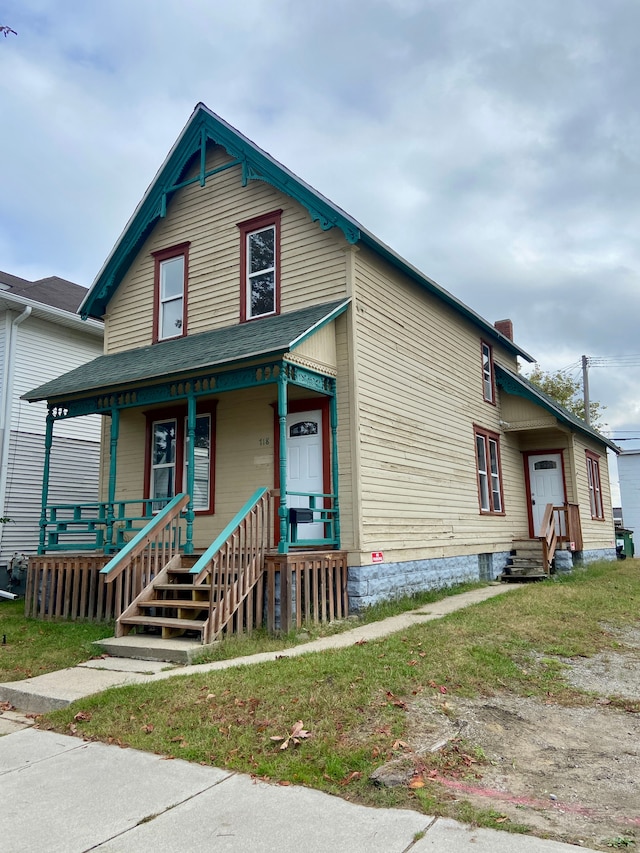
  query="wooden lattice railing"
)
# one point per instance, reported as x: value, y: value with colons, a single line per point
x: 234, y: 566
x: 141, y: 559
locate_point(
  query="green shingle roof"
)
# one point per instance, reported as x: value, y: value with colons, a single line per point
x: 194, y: 352
x: 518, y: 386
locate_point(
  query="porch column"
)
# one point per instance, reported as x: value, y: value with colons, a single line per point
x: 283, y: 544
x: 333, y: 415
x: 113, y: 464
x: 48, y: 442
x: 191, y: 470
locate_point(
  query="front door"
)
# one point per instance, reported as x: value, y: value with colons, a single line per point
x: 546, y: 482
x: 304, y: 466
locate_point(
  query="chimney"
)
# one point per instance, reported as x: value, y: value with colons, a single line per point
x: 505, y: 327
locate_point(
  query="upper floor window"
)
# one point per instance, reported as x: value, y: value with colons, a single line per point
x: 488, y: 388
x: 260, y: 266
x: 489, y: 471
x: 170, y: 292
x: 595, y: 485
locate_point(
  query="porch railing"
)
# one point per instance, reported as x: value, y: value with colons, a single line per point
x: 234, y: 566
x: 99, y: 526
x: 560, y: 524
x: 141, y: 559
x: 320, y: 509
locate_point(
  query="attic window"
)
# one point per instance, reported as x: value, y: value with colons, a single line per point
x: 170, y: 292
x: 488, y: 391
x: 260, y: 266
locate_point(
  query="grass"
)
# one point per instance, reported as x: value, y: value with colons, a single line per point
x: 30, y: 647
x: 354, y: 701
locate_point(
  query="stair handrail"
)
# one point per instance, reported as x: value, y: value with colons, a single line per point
x: 165, y: 518
x: 548, y: 536
x: 202, y: 563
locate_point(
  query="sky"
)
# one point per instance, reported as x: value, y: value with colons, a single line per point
x: 492, y: 143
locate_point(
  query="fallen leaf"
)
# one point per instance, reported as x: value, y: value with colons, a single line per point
x: 82, y: 715
x: 416, y: 782
x: 351, y: 777
x: 148, y: 728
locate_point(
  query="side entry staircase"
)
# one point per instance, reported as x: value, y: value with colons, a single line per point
x: 532, y: 559
x: 197, y: 597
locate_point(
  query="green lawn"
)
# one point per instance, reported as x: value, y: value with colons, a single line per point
x: 353, y: 701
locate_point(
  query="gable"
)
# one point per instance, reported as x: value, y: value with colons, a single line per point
x: 190, y: 152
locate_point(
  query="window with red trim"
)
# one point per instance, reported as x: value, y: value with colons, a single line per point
x: 166, y: 458
x: 170, y: 292
x: 260, y: 266
x: 489, y: 471
x: 488, y: 387
x: 595, y: 485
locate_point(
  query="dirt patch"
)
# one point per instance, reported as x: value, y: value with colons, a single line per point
x: 570, y: 773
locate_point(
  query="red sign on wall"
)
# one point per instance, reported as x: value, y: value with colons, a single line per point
x: 377, y: 557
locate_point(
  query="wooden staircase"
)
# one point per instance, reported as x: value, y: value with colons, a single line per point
x: 527, y: 562
x: 172, y: 604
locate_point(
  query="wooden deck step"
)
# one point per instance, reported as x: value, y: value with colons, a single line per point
x: 181, y: 587
x: 163, y: 622
x: 174, y: 603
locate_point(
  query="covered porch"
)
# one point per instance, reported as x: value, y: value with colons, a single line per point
x: 194, y: 429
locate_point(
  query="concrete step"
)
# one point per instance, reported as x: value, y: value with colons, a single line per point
x: 180, y: 650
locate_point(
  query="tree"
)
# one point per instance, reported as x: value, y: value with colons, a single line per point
x: 6, y: 30
x: 568, y: 392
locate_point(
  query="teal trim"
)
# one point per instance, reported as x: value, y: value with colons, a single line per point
x: 222, y: 537
x: 48, y: 443
x: 283, y: 544
x: 191, y: 471
x: 156, y: 521
x: 256, y: 165
x: 519, y: 386
x: 323, y: 322
x: 113, y: 462
x: 333, y: 417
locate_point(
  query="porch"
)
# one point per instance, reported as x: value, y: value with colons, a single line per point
x: 184, y: 445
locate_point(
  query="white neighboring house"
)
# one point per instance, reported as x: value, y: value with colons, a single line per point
x: 41, y: 336
x: 629, y: 475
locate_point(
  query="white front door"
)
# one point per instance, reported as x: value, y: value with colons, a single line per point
x: 547, y: 486
x: 304, y: 466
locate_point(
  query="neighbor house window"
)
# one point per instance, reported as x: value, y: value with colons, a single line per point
x: 167, y: 456
x: 170, y: 292
x: 488, y: 388
x: 595, y: 485
x: 489, y: 474
x: 260, y: 266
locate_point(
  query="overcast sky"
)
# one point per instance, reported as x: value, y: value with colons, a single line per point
x: 493, y: 143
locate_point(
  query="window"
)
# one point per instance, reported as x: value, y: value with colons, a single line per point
x: 167, y: 455
x: 170, y: 292
x: 488, y: 389
x: 595, y: 487
x: 489, y: 476
x: 260, y: 266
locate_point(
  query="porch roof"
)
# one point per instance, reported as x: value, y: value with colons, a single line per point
x: 230, y: 344
x: 517, y: 385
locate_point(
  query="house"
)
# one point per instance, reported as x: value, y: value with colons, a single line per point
x: 257, y: 337
x: 629, y: 475
x: 41, y: 335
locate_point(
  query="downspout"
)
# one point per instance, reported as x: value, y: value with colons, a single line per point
x: 7, y: 402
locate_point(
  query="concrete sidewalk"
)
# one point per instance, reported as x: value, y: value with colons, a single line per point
x: 58, y: 689
x: 62, y: 795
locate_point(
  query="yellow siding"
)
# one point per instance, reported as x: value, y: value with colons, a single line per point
x: 319, y: 350
x: 596, y: 534
x: 312, y: 260
x: 420, y: 393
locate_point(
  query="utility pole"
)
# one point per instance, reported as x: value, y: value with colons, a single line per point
x: 585, y: 388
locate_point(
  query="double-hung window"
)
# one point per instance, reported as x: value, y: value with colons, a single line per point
x: 260, y: 266
x: 167, y: 457
x: 170, y: 292
x: 488, y: 387
x: 595, y: 485
x: 489, y: 472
